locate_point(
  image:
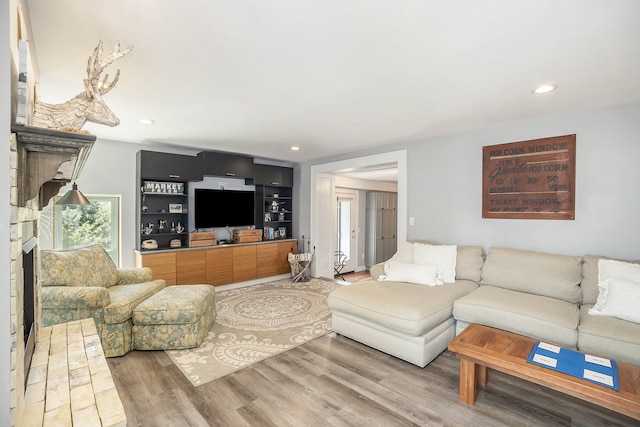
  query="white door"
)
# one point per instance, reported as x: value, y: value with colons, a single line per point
x: 346, y: 230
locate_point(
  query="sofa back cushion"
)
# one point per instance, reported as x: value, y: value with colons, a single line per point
x: 469, y: 263
x: 556, y: 276
x: 589, y: 284
x: 88, y: 266
x: 469, y: 260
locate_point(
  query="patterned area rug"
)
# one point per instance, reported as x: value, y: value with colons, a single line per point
x: 257, y: 322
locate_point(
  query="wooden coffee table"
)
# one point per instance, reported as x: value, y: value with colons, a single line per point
x: 480, y: 347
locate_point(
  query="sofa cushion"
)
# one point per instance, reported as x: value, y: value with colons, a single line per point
x: 407, y: 308
x: 176, y: 305
x: 124, y: 298
x: 537, y: 316
x: 555, y: 276
x: 419, y: 274
x: 88, y: 266
x: 469, y: 260
x: 589, y: 285
x: 609, y: 337
x: 443, y: 256
x: 618, y: 298
x: 469, y: 263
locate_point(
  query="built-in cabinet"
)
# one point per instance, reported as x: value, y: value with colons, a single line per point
x: 220, y: 265
x: 226, y: 164
x: 273, y: 176
x: 274, y: 212
x: 162, y: 199
x: 168, y: 167
x: 381, y: 227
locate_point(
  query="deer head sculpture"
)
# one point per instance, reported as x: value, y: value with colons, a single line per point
x: 88, y: 106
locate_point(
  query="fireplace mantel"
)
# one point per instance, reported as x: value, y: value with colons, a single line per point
x: 47, y: 160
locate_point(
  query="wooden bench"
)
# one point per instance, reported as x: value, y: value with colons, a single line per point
x: 69, y: 381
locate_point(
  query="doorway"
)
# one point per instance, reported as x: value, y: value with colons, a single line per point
x: 323, y: 203
x: 346, y: 230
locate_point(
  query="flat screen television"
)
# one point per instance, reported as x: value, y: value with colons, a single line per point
x: 223, y: 208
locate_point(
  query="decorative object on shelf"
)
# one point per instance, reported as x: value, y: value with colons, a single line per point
x: 88, y: 106
x: 267, y: 217
x: 247, y: 236
x: 275, y: 195
x: 162, y: 224
x: 274, y: 206
x: 204, y: 238
x: 148, y: 229
x: 283, y: 232
x: 175, y: 207
x: 149, y: 244
x: 175, y: 243
x: 156, y: 187
x: 144, y: 208
x: 281, y: 216
x: 179, y: 228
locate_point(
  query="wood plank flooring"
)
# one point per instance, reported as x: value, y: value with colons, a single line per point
x: 335, y: 381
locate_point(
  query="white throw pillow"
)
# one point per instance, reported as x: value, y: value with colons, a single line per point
x: 620, y: 270
x: 442, y: 255
x: 404, y: 252
x: 618, y: 298
x: 420, y: 274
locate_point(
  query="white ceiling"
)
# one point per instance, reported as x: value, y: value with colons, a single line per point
x: 334, y: 76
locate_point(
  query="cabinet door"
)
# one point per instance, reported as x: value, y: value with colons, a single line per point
x: 191, y: 267
x: 223, y: 164
x: 284, y: 248
x: 169, y: 167
x: 163, y: 266
x: 220, y: 266
x: 275, y: 176
x: 244, y: 263
x: 267, y: 260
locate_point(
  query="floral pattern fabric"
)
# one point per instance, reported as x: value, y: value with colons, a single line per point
x: 88, y: 266
x: 124, y: 298
x: 85, y: 283
x: 177, y: 317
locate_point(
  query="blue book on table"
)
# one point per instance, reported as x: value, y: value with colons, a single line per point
x: 591, y: 368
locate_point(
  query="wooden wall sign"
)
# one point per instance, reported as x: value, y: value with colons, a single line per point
x: 530, y: 179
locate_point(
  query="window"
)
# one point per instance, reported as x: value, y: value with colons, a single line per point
x: 99, y: 222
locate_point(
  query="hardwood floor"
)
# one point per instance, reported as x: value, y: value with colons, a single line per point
x: 335, y: 381
x: 353, y: 277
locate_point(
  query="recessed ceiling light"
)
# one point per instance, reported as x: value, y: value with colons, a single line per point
x: 544, y: 89
x: 295, y: 148
x: 146, y: 121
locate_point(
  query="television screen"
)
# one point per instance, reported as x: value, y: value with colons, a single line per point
x: 223, y: 208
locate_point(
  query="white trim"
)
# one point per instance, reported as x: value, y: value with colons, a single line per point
x: 320, y: 205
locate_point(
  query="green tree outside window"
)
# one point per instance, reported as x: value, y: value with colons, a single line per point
x: 76, y: 226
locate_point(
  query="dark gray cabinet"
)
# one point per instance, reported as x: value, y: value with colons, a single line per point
x: 224, y: 164
x: 168, y: 167
x: 274, y: 176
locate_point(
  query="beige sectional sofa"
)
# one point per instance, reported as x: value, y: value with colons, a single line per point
x: 541, y: 295
x: 411, y: 322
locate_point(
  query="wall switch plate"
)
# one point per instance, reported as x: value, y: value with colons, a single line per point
x: 412, y: 221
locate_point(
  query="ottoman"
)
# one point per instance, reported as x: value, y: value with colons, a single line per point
x: 176, y: 317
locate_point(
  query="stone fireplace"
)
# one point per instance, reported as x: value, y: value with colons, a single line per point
x: 42, y: 161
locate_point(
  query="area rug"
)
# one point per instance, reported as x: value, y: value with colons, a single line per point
x: 256, y: 322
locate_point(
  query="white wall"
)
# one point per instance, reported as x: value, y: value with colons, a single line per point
x: 5, y: 216
x: 445, y: 186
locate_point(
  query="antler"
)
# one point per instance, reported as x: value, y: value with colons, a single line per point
x: 96, y: 65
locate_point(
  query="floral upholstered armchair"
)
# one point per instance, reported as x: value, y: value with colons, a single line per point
x: 84, y: 282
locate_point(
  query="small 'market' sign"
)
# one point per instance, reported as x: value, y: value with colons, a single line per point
x: 162, y: 187
x: 530, y: 179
